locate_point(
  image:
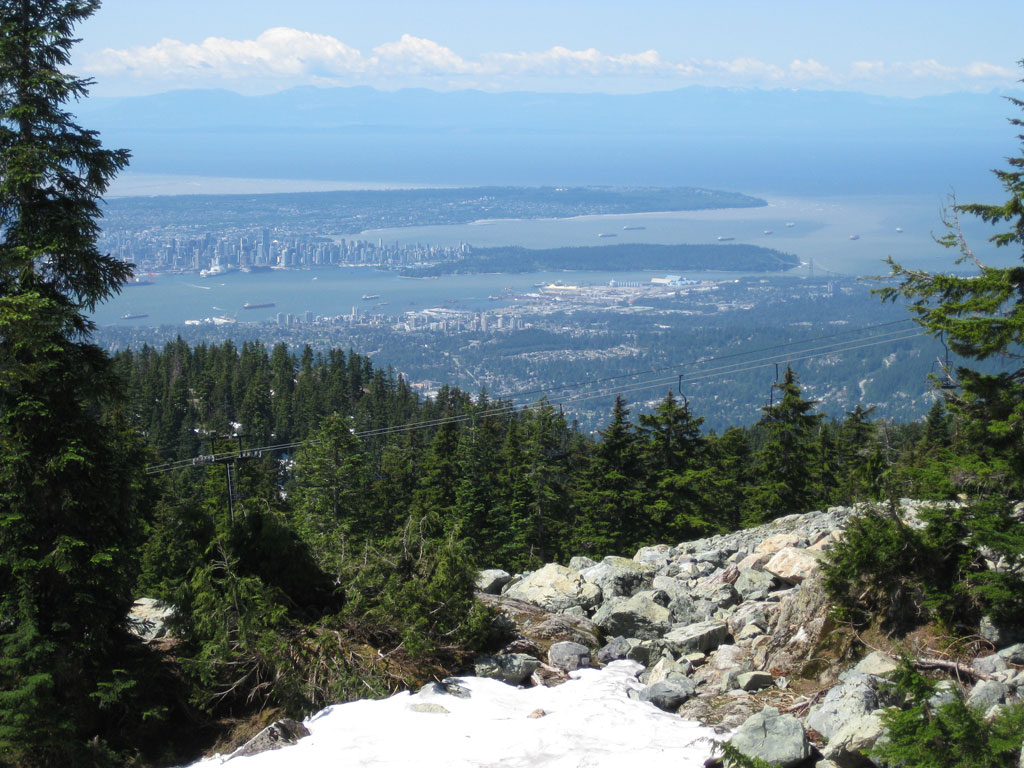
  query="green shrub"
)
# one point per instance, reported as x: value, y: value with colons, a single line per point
x: 952, y: 736
x: 940, y: 572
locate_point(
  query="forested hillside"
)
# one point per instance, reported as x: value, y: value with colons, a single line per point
x: 331, y: 504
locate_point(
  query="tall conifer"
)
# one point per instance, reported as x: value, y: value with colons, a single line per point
x: 67, y: 524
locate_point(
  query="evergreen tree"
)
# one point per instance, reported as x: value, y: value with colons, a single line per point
x: 610, y: 519
x: 787, y: 461
x: 732, y: 464
x: 68, y: 528
x: 981, y: 315
x: 331, y: 505
x: 675, y: 460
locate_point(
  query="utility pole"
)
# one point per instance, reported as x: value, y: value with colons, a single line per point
x: 230, y: 461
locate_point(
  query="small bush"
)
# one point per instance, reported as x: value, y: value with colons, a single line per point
x: 952, y: 736
x: 905, y: 576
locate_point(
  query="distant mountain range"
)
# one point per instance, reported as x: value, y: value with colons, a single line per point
x: 797, y: 142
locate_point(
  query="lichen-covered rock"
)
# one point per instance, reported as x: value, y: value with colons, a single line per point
x: 663, y: 669
x: 642, y: 616
x: 619, y: 577
x: 855, y: 697
x: 796, y: 628
x: 703, y: 636
x: 613, y: 650
x: 511, y: 668
x: 657, y: 556
x: 875, y: 663
x: 753, y: 584
x: 776, y: 739
x: 569, y: 656
x: 556, y: 588
x: 793, y: 565
x: 579, y: 562
x: 847, y: 746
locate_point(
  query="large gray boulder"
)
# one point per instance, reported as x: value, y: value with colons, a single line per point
x: 619, y: 577
x: 847, y: 746
x: 855, y: 697
x: 615, y: 649
x: 669, y: 694
x: 753, y: 584
x: 283, y: 733
x: 776, y: 739
x: 794, y: 565
x: 511, y: 668
x: 987, y: 694
x: 643, y: 616
x: 569, y: 656
x: 492, y: 580
x: 679, y: 601
x: 556, y: 588
x: 703, y: 636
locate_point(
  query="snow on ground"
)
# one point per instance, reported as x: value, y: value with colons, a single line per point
x: 589, y: 723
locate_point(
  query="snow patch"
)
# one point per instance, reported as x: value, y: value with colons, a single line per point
x: 588, y: 722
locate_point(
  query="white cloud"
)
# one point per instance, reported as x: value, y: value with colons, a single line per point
x: 561, y: 61
x: 417, y: 55
x: 811, y: 70
x: 283, y: 56
x: 277, y: 52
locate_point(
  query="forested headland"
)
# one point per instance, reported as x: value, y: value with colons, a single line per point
x: 732, y: 257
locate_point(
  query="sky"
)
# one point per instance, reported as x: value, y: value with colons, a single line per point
x: 907, y: 48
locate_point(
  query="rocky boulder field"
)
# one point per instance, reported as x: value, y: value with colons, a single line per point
x: 734, y: 632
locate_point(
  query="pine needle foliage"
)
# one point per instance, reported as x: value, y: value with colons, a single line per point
x: 68, y: 477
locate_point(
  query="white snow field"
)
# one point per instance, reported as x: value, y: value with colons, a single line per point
x: 588, y: 722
